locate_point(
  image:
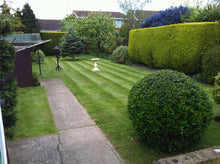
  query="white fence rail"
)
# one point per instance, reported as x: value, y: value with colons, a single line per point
x: 2, y: 139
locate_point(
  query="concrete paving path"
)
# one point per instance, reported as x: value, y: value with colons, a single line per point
x: 79, y: 140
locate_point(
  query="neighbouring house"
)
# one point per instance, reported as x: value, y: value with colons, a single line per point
x: 118, y: 19
x: 24, y: 43
x: 49, y: 25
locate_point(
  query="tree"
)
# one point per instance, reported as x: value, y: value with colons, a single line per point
x: 97, y: 31
x: 133, y: 14
x: 7, y: 84
x: 71, y: 44
x: 15, y: 20
x: 68, y: 22
x: 29, y: 20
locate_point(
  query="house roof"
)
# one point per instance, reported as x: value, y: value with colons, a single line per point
x: 49, y: 25
x: 82, y: 13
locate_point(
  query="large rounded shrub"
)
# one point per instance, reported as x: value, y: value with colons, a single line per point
x: 120, y: 55
x: 168, y: 110
x: 211, y: 65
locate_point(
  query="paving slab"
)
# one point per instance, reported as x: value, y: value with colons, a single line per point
x: 35, y: 150
x: 68, y: 112
x: 79, y: 140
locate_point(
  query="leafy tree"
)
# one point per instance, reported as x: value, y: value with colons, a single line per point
x: 96, y: 31
x: 68, y: 22
x: 7, y: 84
x: 71, y: 44
x: 29, y: 20
x: 14, y: 19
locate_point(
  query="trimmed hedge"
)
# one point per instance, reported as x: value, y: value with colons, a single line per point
x: 55, y: 41
x: 211, y: 65
x: 178, y: 46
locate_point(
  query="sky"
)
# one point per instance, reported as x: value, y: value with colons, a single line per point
x: 59, y: 9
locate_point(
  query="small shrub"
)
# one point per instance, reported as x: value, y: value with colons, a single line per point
x: 216, y: 91
x: 120, y: 54
x: 36, y: 79
x: 34, y: 56
x: 168, y: 110
x: 210, y: 64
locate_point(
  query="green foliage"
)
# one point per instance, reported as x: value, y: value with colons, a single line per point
x: 70, y: 44
x: 55, y: 37
x: 179, y: 46
x: 34, y: 56
x: 211, y: 64
x: 36, y: 79
x: 97, y: 31
x: 29, y: 20
x: 169, y: 111
x: 68, y: 22
x: 120, y: 54
x: 216, y: 90
x: 9, y: 22
x: 209, y: 13
x: 8, y: 84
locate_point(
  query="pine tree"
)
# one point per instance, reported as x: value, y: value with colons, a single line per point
x: 71, y: 44
x: 29, y: 20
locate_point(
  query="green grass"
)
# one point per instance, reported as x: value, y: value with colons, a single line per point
x: 104, y: 95
x: 34, y: 116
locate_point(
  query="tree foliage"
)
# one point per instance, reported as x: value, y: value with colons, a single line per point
x: 68, y: 22
x: 29, y: 20
x: 97, y: 31
x: 71, y: 44
x: 10, y: 22
x: 7, y: 84
x: 133, y: 14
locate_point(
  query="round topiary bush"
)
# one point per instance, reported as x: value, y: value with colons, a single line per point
x: 168, y: 110
x: 210, y: 65
x: 120, y: 55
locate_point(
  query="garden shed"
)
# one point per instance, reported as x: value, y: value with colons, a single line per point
x: 23, y: 65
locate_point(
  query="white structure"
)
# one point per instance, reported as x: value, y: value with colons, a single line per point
x: 95, y: 65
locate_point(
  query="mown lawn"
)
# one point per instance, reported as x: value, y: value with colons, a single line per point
x: 104, y: 95
x: 34, y: 116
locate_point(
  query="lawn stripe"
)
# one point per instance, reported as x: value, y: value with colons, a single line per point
x: 117, y: 79
x: 100, y: 84
x: 118, y: 74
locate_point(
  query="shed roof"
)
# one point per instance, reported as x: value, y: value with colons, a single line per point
x: 23, y: 41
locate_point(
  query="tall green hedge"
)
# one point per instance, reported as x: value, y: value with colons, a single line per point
x: 179, y: 46
x: 55, y: 40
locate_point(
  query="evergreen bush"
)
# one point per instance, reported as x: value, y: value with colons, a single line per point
x: 71, y: 45
x: 211, y: 64
x: 8, y: 85
x: 120, y: 55
x: 216, y: 91
x: 169, y: 111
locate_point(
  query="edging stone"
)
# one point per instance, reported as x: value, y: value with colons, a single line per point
x: 206, y: 156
